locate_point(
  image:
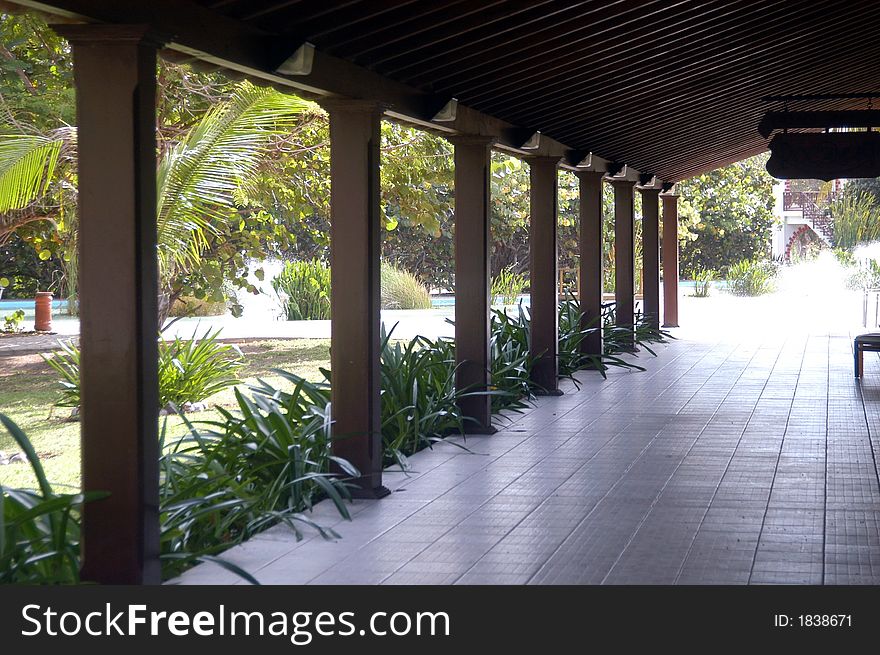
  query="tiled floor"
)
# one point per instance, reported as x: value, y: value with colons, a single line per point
x: 722, y: 463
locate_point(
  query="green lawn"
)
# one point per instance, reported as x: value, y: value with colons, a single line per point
x: 28, y: 389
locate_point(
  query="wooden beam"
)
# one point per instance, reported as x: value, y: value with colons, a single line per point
x: 624, y: 254
x: 544, y: 310
x: 472, y: 278
x: 590, y: 271
x: 238, y: 46
x: 115, y: 74
x: 670, y: 259
x: 651, y: 255
x: 355, y: 248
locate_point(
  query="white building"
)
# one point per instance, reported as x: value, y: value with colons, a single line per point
x: 803, y: 208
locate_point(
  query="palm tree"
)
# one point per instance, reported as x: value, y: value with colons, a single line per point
x: 197, y: 179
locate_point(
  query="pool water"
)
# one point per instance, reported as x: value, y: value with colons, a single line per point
x: 449, y: 301
x: 9, y: 306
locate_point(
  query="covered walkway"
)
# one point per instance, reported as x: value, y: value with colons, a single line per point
x: 726, y: 463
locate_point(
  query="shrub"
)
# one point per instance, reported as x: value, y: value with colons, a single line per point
x: 507, y: 286
x: 190, y: 370
x: 229, y: 479
x: 864, y: 275
x: 39, y: 529
x: 403, y: 290
x: 303, y: 290
x: 266, y: 463
x: 190, y: 306
x: 511, y: 359
x: 12, y: 322
x: 751, y: 277
x: 419, y: 398
x: 703, y: 279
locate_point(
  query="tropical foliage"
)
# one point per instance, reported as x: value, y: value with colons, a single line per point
x: 726, y: 216
x: 226, y: 480
x: 190, y: 370
x: 39, y: 528
x: 751, y: 278
x: 856, y: 218
x: 401, y: 289
x: 303, y: 290
x: 507, y: 286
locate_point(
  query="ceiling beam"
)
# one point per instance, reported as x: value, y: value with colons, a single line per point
x: 211, y: 37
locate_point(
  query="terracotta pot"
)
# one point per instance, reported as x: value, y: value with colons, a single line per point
x: 43, y: 312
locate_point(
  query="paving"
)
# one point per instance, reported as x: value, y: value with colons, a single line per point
x: 726, y: 462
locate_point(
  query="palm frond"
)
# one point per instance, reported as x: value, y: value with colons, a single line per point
x: 27, y: 167
x: 198, y: 178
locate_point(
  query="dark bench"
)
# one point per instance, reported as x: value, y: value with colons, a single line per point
x: 861, y: 344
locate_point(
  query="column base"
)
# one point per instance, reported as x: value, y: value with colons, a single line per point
x: 551, y: 392
x: 479, y: 429
x: 666, y: 325
x: 371, y: 493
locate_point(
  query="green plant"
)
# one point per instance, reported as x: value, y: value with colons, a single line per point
x: 66, y: 364
x: 204, y: 240
x: 12, y: 322
x: 190, y: 370
x: 863, y: 275
x: 507, y: 286
x: 303, y: 289
x: 39, y: 529
x: 751, y: 277
x: 511, y: 359
x: 190, y: 306
x: 856, y: 218
x: 419, y: 397
x: 703, y: 279
x: 402, y: 290
x: 267, y: 462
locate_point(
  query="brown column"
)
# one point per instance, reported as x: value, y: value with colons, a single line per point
x: 115, y: 73
x: 355, y: 247
x: 591, y: 260
x: 651, y: 256
x: 472, y: 278
x: 624, y: 253
x: 543, y: 277
x: 670, y: 259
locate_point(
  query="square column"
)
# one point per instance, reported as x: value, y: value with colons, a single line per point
x: 591, y: 260
x: 472, y: 278
x: 670, y: 259
x: 355, y: 248
x: 115, y: 74
x: 651, y: 256
x: 543, y: 280
x: 624, y: 254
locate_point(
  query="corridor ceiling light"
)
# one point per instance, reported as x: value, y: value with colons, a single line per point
x: 300, y: 62
x: 648, y: 181
x: 586, y: 162
x: 447, y: 112
x: 532, y: 143
x: 617, y: 170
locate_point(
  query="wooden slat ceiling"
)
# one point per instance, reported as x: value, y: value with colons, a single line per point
x: 670, y: 87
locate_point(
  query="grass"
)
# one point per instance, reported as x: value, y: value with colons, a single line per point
x: 29, y: 387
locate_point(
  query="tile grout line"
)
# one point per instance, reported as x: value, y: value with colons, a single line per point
x: 681, y: 461
x: 778, y: 458
x: 628, y: 468
x: 729, y: 461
